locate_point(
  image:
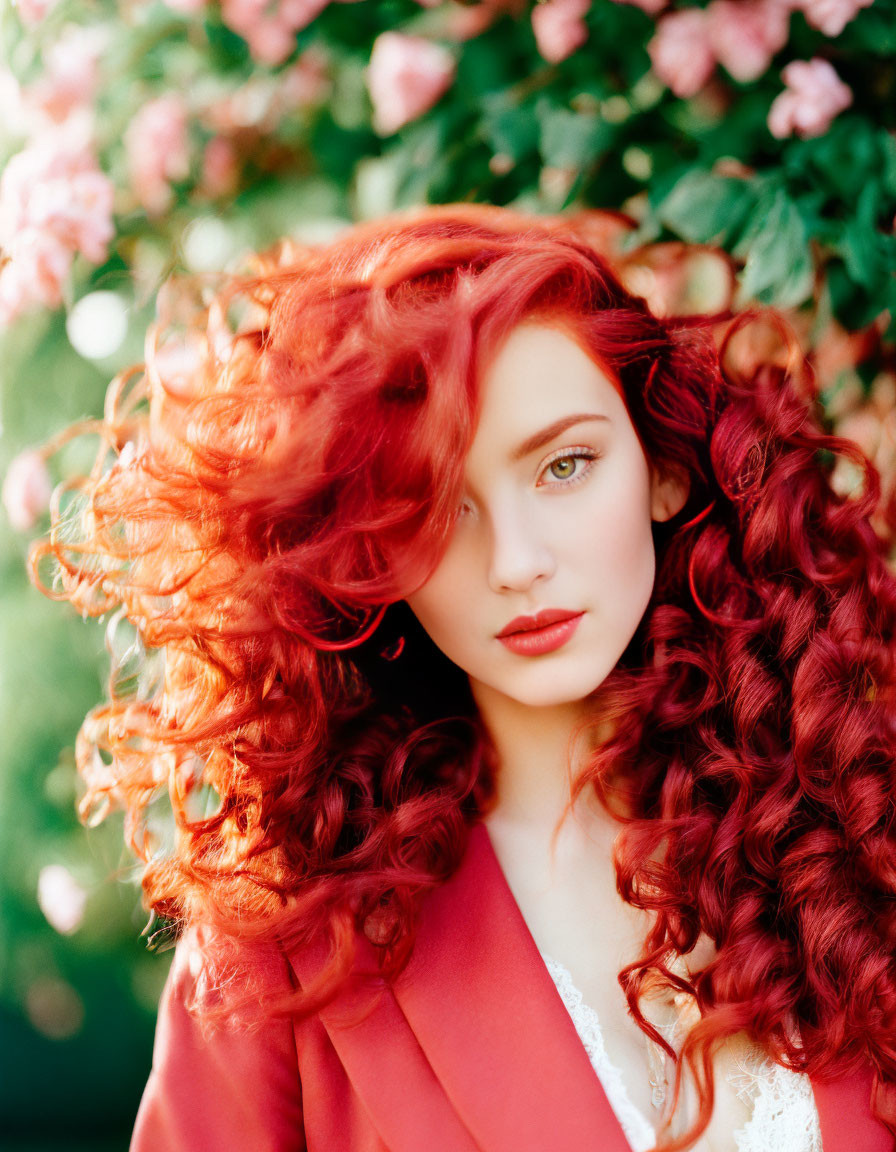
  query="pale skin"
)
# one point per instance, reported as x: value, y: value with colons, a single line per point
x: 557, y: 513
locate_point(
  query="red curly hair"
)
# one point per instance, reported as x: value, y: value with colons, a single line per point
x: 274, y: 497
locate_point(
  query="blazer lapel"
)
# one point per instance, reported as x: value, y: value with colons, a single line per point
x: 471, y: 1049
x: 488, y: 1017
x: 383, y: 1061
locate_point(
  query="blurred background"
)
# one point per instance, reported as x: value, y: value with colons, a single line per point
x: 748, y: 144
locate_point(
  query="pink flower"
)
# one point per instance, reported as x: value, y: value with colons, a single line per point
x: 53, y: 185
x: 300, y: 13
x: 54, y: 203
x: 814, y: 95
x: 158, y: 151
x: 405, y: 77
x: 26, y: 490
x: 559, y: 27
x: 681, y: 52
x: 71, y: 74
x: 34, y: 12
x: 745, y: 34
x: 36, y: 269
x: 831, y: 16
x: 270, y: 28
x: 270, y: 41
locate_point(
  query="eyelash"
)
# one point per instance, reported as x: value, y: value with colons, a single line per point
x: 587, y: 454
x: 580, y: 453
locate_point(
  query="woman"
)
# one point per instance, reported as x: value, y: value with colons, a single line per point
x: 526, y: 708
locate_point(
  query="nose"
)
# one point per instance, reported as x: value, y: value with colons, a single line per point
x: 519, y: 554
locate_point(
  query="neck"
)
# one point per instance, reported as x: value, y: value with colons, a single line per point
x: 539, y: 753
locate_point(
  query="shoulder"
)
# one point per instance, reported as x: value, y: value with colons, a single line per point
x: 227, y: 981
x: 222, y: 1061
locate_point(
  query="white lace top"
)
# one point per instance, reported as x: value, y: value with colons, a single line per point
x: 783, y: 1113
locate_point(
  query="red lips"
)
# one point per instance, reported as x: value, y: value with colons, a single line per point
x: 540, y: 620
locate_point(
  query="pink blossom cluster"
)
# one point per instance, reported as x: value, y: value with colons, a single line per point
x: 158, y: 151
x: 54, y: 203
x: 830, y: 16
x: 559, y: 25
x: 26, y: 490
x: 814, y: 95
x: 406, y: 74
x: 405, y: 77
x: 741, y: 35
x: 270, y: 29
x: 33, y: 12
x: 67, y: 84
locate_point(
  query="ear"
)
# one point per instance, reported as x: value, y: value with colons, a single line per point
x: 667, y: 495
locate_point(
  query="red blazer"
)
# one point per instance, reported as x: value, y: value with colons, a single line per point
x: 471, y: 1050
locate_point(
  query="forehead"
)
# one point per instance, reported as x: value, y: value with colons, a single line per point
x: 539, y: 374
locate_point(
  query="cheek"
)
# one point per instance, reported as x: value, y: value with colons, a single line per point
x: 620, y: 548
x: 440, y: 607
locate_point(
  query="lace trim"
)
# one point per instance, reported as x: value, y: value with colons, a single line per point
x: 783, y: 1113
x: 638, y: 1131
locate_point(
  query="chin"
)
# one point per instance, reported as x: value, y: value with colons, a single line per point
x: 573, y: 690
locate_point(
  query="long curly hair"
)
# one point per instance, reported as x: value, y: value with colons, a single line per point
x: 286, y: 468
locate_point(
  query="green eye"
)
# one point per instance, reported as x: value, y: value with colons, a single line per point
x: 563, y: 467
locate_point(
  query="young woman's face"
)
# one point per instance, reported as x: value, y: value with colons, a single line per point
x: 556, y: 520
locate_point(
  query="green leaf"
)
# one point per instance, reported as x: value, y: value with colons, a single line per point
x: 572, y: 139
x: 863, y: 247
x: 851, y: 305
x: 509, y: 128
x: 778, y: 266
x: 703, y: 208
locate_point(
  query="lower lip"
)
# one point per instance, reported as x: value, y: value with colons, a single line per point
x: 541, y: 640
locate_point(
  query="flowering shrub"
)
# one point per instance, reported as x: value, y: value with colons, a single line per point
x: 549, y: 104
x: 638, y: 104
x: 54, y: 203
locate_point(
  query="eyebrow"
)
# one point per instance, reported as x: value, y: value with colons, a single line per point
x: 546, y: 435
